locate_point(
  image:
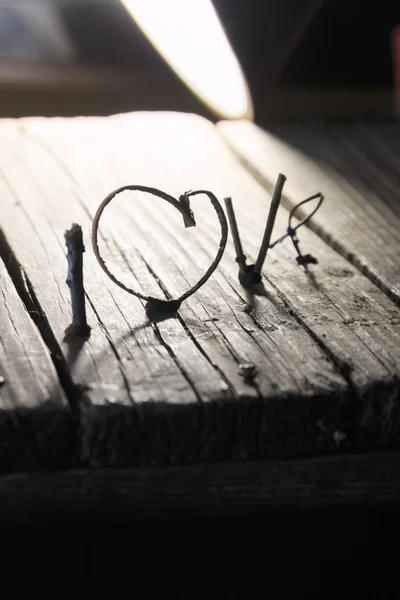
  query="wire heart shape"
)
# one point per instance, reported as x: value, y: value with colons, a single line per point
x: 183, y: 206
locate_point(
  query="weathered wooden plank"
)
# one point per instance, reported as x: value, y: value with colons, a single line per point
x: 359, y: 218
x: 206, y: 490
x: 300, y: 334
x: 130, y: 405
x: 36, y: 423
x: 156, y: 381
x: 194, y: 349
x: 355, y: 324
x: 285, y: 372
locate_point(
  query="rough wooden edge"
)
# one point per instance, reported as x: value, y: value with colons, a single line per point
x: 38, y: 430
x: 219, y: 489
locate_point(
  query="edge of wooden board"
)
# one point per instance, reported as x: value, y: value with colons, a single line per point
x: 208, y: 489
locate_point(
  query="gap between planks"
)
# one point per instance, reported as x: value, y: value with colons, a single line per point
x: 37, y: 427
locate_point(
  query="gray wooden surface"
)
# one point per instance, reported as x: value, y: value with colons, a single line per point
x: 36, y: 425
x: 325, y: 345
x: 356, y: 166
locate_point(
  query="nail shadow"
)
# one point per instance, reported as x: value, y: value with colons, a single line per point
x: 152, y: 319
x: 75, y: 345
x: 312, y: 279
x: 158, y: 317
x: 257, y: 291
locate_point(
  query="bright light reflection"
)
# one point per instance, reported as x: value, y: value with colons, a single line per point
x: 189, y: 36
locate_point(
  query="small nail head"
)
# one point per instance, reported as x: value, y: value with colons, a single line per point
x: 75, y: 330
x: 306, y: 259
x: 248, y: 371
x: 249, y: 277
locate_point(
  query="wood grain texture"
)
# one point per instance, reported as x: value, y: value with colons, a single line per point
x: 326, y: 347
x: 355, y: 166
x: 36, y: 425
x: 208, y: 490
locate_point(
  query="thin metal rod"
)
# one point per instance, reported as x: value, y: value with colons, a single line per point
x: 276, y: 200
x: 240, y: 257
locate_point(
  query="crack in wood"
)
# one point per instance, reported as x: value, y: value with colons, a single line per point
x: 38, y: 423
x: 329, y: 238
x: 25, y: 291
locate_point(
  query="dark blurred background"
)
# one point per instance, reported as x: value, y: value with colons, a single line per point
x: 300, y: 57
